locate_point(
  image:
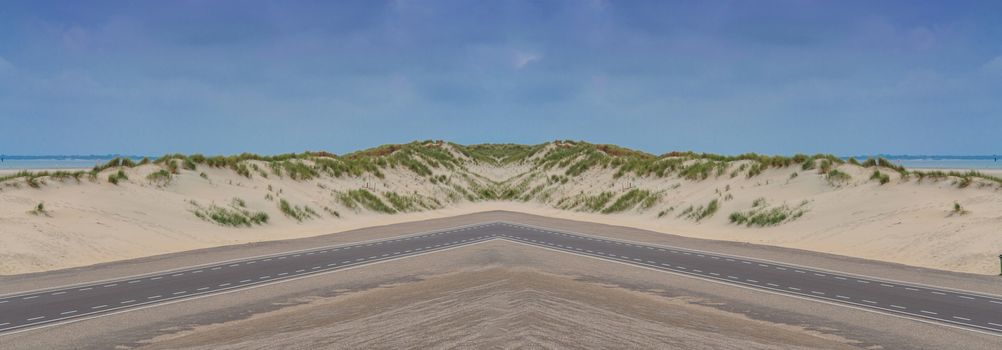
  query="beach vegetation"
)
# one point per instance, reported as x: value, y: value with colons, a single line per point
x: 233, y: 216
x: 880, y: 177
x: 958, y: 209
x: 160, y: 177
x: 755, y: 170
x: 363, y: 198
x: 171, y: 166
x: 333, y: 212
x: 836, y: 177
x: 808, y: 165
x: 631, y: 199
x: 118, y: 176
x: 39, y: 210
x: 598, y: 202
x: 825, y: 166
x: 33, y: 182
x: 697, y: 214
x: 664, y: 212
x: 296, y: 212
x: 762, y: 215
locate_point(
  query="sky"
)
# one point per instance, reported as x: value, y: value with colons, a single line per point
x: 774, y: 77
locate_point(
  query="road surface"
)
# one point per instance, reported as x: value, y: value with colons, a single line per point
x: 968, y: 310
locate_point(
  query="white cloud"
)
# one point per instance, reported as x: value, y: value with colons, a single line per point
x: 524, y: 58
x: 994, y: 66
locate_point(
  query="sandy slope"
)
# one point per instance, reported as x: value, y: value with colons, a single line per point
x: 904, y: 221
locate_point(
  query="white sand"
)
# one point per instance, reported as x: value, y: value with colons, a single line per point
x: 904, y: 221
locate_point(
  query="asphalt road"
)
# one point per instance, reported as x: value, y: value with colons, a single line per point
x: 967, y: 310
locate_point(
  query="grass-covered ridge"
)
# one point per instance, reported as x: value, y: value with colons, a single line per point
x: 568, y: 175
x: 427, y: 158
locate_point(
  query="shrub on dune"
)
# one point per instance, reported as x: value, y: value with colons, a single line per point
x: 880, y: 177
x: 160, y: 177
x: 234, y: 216
x: 117, y: 177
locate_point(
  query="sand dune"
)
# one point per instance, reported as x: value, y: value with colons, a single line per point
x: 906, y: 220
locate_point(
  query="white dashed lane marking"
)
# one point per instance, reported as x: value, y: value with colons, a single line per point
x: 568, y: 247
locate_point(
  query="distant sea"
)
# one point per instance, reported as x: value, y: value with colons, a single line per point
x: 943, y: 162
x: 950, y: 163
x: 55, y: 162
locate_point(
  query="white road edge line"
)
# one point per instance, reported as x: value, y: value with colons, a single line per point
x: 230, y: 261
x: 877, y: 310
x: 834, y: 272
x: 173, y: 300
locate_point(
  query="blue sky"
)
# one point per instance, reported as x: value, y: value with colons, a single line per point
x: 777, y: 77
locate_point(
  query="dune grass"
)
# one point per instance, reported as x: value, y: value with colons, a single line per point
x: 39, y: 210
x: 364, y: 198
x: 499, y: 154
x: 401, y: 203
x: 598, y: 202
x: 631, y: 199
x: 697, y: 214
x: 836, y: 177
x: 160, y: 177
x: 296, y: 212
x: 762, y: 215
x: 236, y: 215
x: 578, y: 157
x: 880, y: 177
x: 964, y: 179
x: 117, y: 177
x: 884, y: 163
x: 958, y: 209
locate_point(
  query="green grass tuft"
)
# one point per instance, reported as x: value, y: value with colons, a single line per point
x: 160, y: 177
x: 761, y: 215
x: 697, y: 214
x: 234, y: 216
x: 836, y: 177
x: 880, y: 177
x: 117, y: 177
x: 364, y: 198
x: 958, y: 209
x: 39, y: 210
x: 632, y: 199
x: 296, y: 212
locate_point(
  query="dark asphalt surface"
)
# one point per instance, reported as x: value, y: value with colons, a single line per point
x: 968, y: 310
